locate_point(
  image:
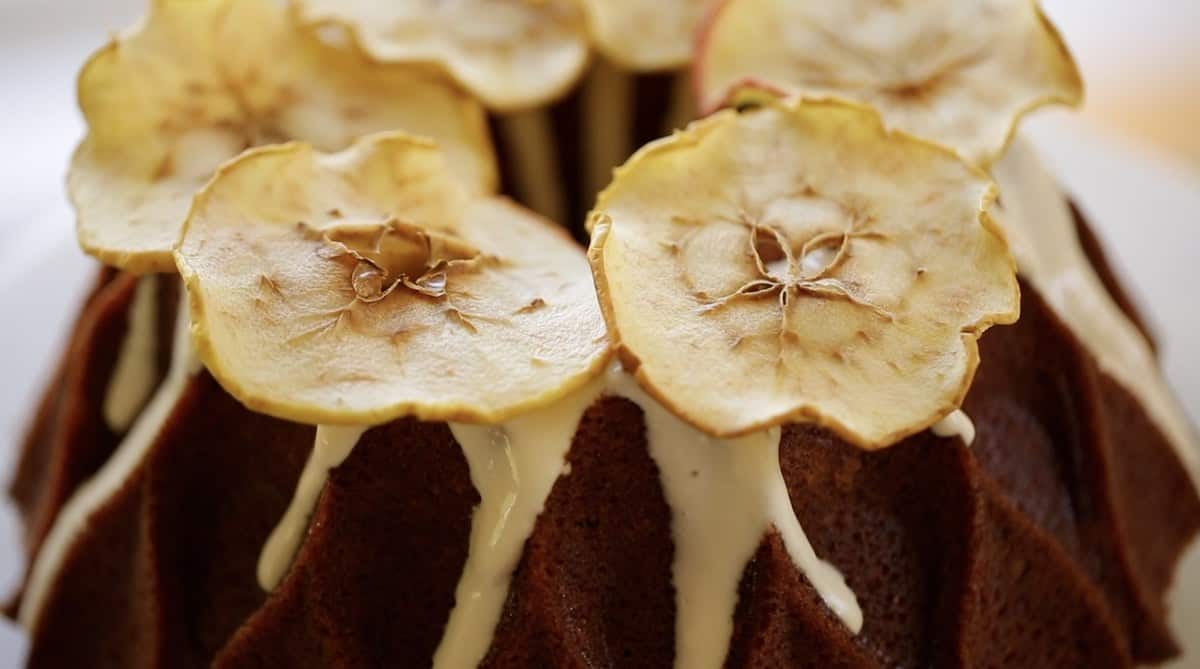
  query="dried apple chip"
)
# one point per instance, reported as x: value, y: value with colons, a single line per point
x: 959, y: 72
x: 823, y: 268
x: 646, y: 35
x: 512, y: 54
x: 202, y: 80
x: 358, y: 287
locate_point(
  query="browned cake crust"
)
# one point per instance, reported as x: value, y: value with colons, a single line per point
x: 67, y: 433
x: 1049, y: 543
x: 1098, y: 256
x: 68, y: 439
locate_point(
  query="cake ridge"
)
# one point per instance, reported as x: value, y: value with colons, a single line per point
x: 534, y: 447
x: 970, y: 579
x: 73, y: 517
x: 821, y: 538
x: 1050, y: 255
x: 744, y: 471
x: 133, y: 379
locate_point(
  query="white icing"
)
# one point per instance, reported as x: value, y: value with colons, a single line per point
x: 133, y: 376
x: 96, y: 491
x: 537, y: 176
x: 331, y: 447
x: 514, y: 467
x: 956, y: 424
x: 724, y: 496
x: 1044, y: 241
x: 608, y: 124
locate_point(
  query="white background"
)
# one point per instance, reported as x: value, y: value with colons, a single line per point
x: 1131, y: 158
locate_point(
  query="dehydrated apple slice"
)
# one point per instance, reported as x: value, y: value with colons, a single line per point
x: 512, y: 54
x: 798, y: 262
x: 959, y: 72
x: 366, y: 285
x: 646, y: 35
x: 200, y: 81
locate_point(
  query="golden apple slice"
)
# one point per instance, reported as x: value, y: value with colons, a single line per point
x: 799, y: 262
x: 958, y: 72
x: 646, y: 35
x: 512, y: 54
x: 358, y: 287
x: 200, y: 81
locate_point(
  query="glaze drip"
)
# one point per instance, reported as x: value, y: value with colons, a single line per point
x: 1049, y: 255
x: 725, y: 495
x: 133, y: 377
x: 528, y: 137
x: 96, y: 491
x: 514, y: 467
x: 956, y: 424
x: 331, y: 447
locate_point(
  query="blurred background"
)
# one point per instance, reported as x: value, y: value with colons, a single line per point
x: 1141, y: 61
x: 1132, y: 157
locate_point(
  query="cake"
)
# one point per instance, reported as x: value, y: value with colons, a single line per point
x: 843, y: 379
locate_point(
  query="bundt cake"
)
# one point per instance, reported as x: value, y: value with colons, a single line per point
x: 334, y: 400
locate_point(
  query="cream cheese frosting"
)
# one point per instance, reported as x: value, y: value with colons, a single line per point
x: 537, y: 177
x: 96, y: 491
x: 956, y: 424
x: 724, y: 495
x: 133, y: 377
x: 514, y: 467
x: 332, y: 446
